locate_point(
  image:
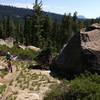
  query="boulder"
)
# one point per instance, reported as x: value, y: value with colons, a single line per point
x: 2, y: 42
x: 9, y: 42
x: 22, y: 47
x: 69, y: 59
x: 33, y: 48
x: 90, y: 43
x: 81, y: 53
x: 36, y: 49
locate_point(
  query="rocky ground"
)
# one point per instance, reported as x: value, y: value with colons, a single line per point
x: 23, y: 83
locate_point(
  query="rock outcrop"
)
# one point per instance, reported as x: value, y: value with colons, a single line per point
x: 33, y: 48
x: 81, y: 52
x: 9, y: 42
x: 90, y: 43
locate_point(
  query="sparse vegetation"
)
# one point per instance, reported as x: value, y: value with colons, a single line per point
x: 3, y: 72
x: 26, y: 80
x: 2, y: 88
x: 12, y: 97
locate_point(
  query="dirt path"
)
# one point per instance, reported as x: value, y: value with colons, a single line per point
x: 6, y: 80
x: 25, y: 84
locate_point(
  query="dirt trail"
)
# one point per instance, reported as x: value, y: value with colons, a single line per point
x: 6, y: 80
x: 25, y: 84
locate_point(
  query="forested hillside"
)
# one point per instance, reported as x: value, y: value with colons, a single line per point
x: 20, y: 13
x: 38, y: 28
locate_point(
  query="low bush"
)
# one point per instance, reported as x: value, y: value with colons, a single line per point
x: 84, y: 87
x: 2, y: 88
x: 3, y: 72
x: 23, y: 54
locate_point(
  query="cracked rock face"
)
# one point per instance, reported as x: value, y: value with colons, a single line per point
x: 90, y: 43
x: 82, y: 50
x: 90, y: 38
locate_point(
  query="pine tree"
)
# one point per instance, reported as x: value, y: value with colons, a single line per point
x: 75, y: 23
x: 26, y: 31
x: 55, y: 35
x: 1, y: 32
x: 4, y: 27
x: 37, y: 24
x: 8, y: 27
x: 17, y: 33
x: 69, y: 25
x: 47, y: 33
x: 64, y: 30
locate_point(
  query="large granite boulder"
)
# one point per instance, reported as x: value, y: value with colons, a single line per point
x: 9, y: 42
x: 81, y: 52
x: 90, y: 43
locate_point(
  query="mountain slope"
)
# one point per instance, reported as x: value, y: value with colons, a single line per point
x: 22, y: 12
x: 81, y: 17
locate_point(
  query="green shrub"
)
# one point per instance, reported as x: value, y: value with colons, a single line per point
x: 2, y: 88
x: 23, y: 54
x: 84, y: 87
x: 3, y: 73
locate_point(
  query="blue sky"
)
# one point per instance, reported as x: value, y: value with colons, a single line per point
x: 88, y: 8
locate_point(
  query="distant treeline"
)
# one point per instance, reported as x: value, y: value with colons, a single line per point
x: 40, y: 29
x: 20, y: 13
